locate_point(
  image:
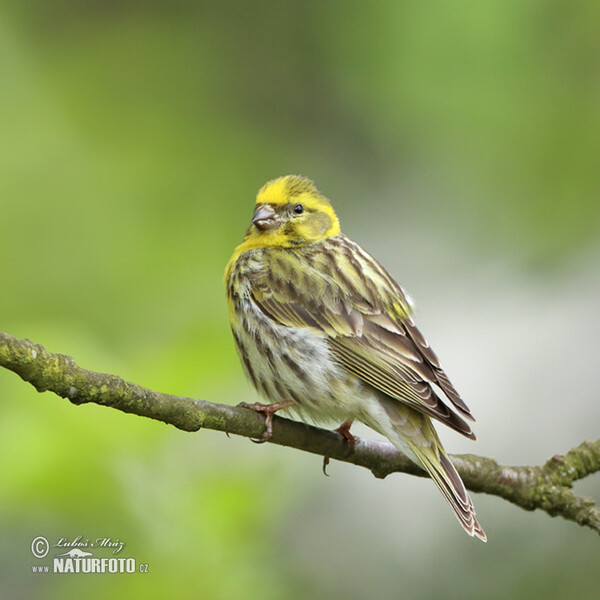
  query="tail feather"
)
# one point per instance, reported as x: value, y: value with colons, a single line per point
x: 450, y: 484
x: 413, y: 433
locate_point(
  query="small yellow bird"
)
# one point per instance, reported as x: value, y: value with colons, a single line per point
x: 323, y: 330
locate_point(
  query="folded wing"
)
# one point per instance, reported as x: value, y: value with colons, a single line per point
x: 371, y: 335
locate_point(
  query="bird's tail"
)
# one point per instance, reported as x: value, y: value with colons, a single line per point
x: 442, y: 471
x: 413, y: 433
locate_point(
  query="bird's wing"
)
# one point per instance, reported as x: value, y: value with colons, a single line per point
x: 365, y: 317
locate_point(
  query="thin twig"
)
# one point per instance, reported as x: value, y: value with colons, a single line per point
x: 547, y: 487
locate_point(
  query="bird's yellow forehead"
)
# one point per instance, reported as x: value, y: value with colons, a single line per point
x: 283, y: 189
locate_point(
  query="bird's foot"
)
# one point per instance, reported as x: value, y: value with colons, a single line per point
x: 268, y: 410
x: 343, y: 430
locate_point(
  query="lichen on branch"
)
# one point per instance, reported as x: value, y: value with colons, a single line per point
x: 547, y: 487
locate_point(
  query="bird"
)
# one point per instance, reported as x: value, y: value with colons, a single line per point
x: 325, y: 333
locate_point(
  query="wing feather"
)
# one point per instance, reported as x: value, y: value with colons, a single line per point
x: 370, y: 335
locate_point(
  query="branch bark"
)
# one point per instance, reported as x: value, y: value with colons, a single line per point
x: 547, y: 487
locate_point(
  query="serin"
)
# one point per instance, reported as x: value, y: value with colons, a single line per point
x: 323, y: 330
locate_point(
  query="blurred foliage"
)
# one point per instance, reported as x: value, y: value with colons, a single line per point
x: 134, y: 136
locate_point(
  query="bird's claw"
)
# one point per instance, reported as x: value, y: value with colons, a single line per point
x: 344, y: 431
x: 269, y: 411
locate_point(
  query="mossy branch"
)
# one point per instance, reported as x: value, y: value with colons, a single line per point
x: 547, y: 487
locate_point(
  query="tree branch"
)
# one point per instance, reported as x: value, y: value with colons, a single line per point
x: 547, y: 487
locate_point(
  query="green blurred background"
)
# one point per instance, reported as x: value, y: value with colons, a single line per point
x: 460, y: 144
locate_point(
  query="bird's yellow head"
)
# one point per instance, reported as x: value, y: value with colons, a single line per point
x: 290, y: 211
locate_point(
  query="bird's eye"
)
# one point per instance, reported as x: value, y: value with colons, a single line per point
x: 298, y: 209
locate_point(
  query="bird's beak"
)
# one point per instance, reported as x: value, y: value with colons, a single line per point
x: 264, y: 218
